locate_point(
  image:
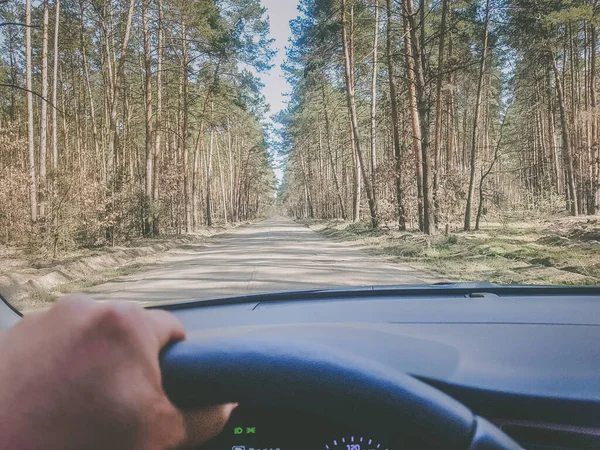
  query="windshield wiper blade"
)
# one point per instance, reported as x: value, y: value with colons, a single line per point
x: 469, y: 290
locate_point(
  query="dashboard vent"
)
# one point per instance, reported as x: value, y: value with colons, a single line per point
x: 481, y: 295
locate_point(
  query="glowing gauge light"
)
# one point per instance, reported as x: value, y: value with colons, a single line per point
x: 354, y: 443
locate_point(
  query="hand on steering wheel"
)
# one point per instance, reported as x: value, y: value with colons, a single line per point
x: 86, y: 375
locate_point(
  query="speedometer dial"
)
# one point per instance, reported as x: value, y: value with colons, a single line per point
x: 354, y: 443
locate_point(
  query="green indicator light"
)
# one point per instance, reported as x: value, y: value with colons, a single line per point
x: 238, y: 430
x: 250, y: 430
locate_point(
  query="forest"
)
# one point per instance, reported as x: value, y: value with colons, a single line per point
x: 131, y: 118
x: 438, y: 114
x: 122, y: 119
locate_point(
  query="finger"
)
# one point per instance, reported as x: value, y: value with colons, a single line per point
x: 72, y: 305
x: 75, y: 304
x: 204, y: 424
x: 166, y: 327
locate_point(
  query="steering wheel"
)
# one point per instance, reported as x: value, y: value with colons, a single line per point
x: 315, y: 379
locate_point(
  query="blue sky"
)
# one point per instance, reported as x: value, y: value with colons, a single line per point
x: 280, y: 13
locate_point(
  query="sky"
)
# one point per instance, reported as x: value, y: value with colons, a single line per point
x: 280, y: 12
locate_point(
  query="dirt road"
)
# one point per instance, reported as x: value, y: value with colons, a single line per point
x: 274, y: 255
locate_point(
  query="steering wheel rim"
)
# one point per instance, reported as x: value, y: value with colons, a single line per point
x: 315, y: 379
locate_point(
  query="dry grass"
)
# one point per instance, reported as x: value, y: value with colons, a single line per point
x: 561, y: 251
x: 104, y: 277
x: 34, y: 280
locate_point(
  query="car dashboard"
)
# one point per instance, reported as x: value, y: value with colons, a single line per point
x: 528, y: 360
x: 283, y: 429
x: 287, y: 429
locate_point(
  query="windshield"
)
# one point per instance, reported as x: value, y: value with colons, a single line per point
x: 166, y: 150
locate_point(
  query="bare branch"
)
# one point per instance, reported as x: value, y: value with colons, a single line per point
x: 17, y: 24
x: 20, y: 88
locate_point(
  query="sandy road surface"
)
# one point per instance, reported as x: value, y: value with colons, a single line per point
x: 274, y: 255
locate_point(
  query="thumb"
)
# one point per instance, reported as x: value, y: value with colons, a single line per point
x: 204, y: 424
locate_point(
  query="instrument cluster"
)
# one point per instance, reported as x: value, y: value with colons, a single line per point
x: 254, y: 429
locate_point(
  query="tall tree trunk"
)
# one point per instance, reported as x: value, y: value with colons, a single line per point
x: 113, y: 138
x: 485, y: 174
x: 310, y: 211
x: 184, y: 129
x: 558, y: 175
x: 200, y: 144
x: 438, y: 109
x: 330, y: 152
x: 13, y: 79
x: 222, y: 182
x: 44, y: 113
x: 88, y: 84
x: 148, y: 114
x: 209, y: 202
x: 356, y: 173
x: 30, y: 143
x: 231, y: 171
x: 197, y: 149
x: 415, y: 123
x: 566, y: 140
x: 374, y: 102
x: 356, y: 163
x: 350, y: 97
x: 467, y: 224
x: 395, y: 124
x: 418, y: 51
x: 64, y: 122
x: 55, y: 89
x: 196, y: 174
x: 159, y: 124
x: 594, y: 116
x: 108, y: 59
x: 451, y: 142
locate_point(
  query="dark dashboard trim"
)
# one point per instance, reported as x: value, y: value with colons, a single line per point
x: 521, y: 407
x: 11, y: 307
x: 590, y: 431
x: 471, y: 290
